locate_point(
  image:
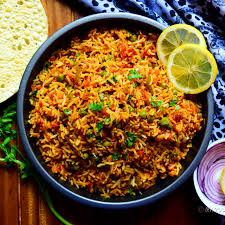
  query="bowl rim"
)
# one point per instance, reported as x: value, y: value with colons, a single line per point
x: 47, y: 177
x: 219, y: 209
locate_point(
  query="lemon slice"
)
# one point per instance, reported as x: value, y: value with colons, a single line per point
x: 222, y: 180
x: 191, y: 68
x: 176, y: 35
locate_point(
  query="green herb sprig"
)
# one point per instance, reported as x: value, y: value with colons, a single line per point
x: 13, y: 156
x: 134, y: 74
x: 131, y: 138
x: 95, y: 106
x: 156, y: 103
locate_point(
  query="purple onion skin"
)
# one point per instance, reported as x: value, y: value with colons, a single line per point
x: 212, y: 163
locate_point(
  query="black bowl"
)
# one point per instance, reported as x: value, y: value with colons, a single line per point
x: 59, y: 39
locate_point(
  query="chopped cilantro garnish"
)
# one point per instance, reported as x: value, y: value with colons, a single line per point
x: 89, y: 133
x: 131, y: 139
x: 173, y: 103
x: 102, y: 96
x: 34, y: 94
x: 108, y: 81
x: 153, y: 104
x: 129, y: 98
x: 82, y: 112
x: 95, y: 106
x: 156, y: 103
x: 107, y: 106
x: 103, y: 73
x: 177, y: 107
x: 134, y: 74
x: 100, y: 126
x: 109, y: 57
x: 74, y: 64
x: 67, y: 111
x: 46, y: 66
x: 77, y: 54
x: 107, y: 120
x: 115, y: 157
x: 114, y: 79
x: 130, y: 191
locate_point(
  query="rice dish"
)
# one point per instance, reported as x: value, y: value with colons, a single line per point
x: 106, y: 117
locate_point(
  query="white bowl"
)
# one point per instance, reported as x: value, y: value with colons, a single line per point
x: 220, y: 209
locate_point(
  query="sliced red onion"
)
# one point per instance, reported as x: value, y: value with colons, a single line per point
x: 209, y: 173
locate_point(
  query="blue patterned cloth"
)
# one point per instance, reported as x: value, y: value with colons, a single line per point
x: 206, y: 15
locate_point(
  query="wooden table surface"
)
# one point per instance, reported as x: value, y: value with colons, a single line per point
x: 21, y: 202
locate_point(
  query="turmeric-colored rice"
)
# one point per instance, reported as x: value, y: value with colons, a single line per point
x: 107, y: 118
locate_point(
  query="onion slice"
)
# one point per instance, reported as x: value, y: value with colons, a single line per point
x: 209, y: 172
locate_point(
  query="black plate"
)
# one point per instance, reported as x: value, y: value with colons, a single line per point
x: 58, y: 40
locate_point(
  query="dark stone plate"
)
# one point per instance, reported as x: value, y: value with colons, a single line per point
x: 60, y: 39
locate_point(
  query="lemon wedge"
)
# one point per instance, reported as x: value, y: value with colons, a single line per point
x: 191, y: 68
x: 222, y: 180
x: 176, y: 35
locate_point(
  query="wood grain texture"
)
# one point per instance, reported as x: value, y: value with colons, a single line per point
x: 22, y: 203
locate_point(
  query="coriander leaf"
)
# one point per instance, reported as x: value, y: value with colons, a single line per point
x: 82, y: 112
x: 129, y: 143
x: 129, y: 98
x: 95, y: 106
x: 130, y: 191
x: 77, y: 54
x: 107, y: 120
x: 159, y: 103
x: 67, y: 111
x: 102, y: 96
x: 131, y: 139
x: 46, y: 66
x: 100, y: 126
x: 107, y: 106
x: 6, y: 120
x: 103, y: 73
x: 89, y: 133
x: 153, y: 104
x: 74, y: 64
x: 156, y: 103
x: 114, y: 79
x: 114, y: 156
x: 134, y: 74
x: 34, y: 94
x: 177, y: 107
x: 173, y: 103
